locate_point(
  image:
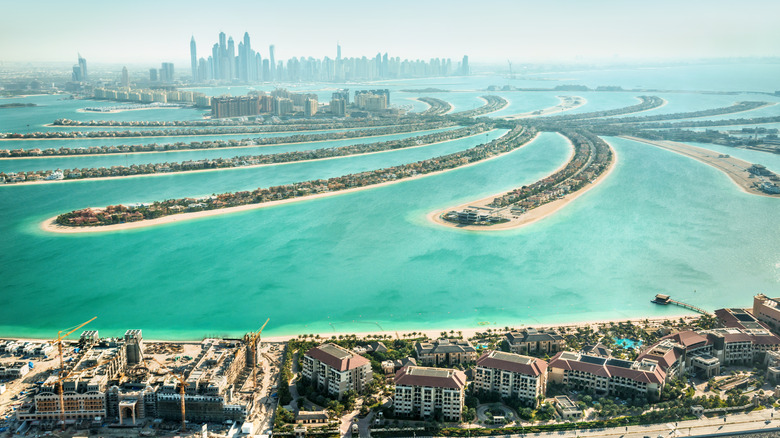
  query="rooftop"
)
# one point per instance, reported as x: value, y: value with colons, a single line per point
x: 431, y: 377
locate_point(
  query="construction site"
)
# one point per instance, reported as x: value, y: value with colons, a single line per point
x: 123, y: 386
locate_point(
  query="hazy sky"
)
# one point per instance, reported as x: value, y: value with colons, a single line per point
x: 144, y: 31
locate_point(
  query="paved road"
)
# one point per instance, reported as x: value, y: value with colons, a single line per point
x: 695, y: 428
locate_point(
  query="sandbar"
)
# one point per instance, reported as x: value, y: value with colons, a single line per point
x: 51, y: 225
x: 529, y: 216
x: 735, y: 168
x: 83, y: 110
x: 140, y: 175
x: 566, y: 104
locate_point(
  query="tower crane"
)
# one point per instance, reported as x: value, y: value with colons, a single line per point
x: 62, y: 375
x: 252, y: 339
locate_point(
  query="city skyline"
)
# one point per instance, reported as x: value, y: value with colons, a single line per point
x: 521, y: 31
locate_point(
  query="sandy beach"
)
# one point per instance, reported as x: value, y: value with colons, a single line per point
x: 104, y: 178
x: 215, y: 149
x: 528, y: 217
x: 52, y: 226
x: 567, y: 103
x: 735, y: 168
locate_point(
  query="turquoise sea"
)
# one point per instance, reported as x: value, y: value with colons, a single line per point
x: 370, y: 260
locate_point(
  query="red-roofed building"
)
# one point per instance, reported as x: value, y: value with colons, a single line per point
x: 422, y: 392
x: 611, y: 376
x: 511, y: 375
x: 336, y: 369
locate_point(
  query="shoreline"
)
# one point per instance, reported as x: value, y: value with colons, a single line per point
x: 105, y: 178
x: 50, y: 224
x: 529, y: 217
x: 216, y: 149
x: 734, y: 168
x: 432, y: 333
x: 561, y: 107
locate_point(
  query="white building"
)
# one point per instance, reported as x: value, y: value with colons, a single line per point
x: 336, y: 369
x: 512, y: 375
x: 423, y: 392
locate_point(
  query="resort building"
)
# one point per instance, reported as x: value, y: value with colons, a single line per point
x: 423, y: 392
x: 766, y: 310
x: 445, y: 352
x: 533, y: 341
x: 610, y: 376
x: 336, y: 369
x: 512, y: 375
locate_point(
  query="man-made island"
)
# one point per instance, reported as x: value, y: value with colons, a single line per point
x: 589, y: 164
x: 119, y: 217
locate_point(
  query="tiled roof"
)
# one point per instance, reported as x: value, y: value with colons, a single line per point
x: 337, y: 357
x: 515, y: 363
x: 431, y: 377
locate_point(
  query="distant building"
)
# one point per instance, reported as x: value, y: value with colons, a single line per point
x: 310, y: 107
x: 511, y: 375
x: 125, y: 82
x: 336, y: 370
x: 194, y: 61
x: 153, y: 74
x: 533, y: 341
x: 338, y: 107
x: 166, y: 72
x: 445, y: 352
x: 422, y: 392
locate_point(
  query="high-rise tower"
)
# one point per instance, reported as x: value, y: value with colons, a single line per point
x: 273, y: 62
x: 83, y: 68
x: 125, y: 77
x: 194, y: 60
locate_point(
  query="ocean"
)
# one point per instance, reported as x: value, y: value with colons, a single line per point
x: 370, y: 260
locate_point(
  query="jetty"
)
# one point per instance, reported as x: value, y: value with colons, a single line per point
x: 666, y: 300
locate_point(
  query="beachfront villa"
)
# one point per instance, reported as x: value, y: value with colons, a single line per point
x: 336, y: 369
x: 422, y: 392
x: 533, y: 341
x: 512, y: 375
x: 445, y: 352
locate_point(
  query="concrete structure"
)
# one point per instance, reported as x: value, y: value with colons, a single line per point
x: 567, y: 409
x: 336, y: 370
x: 445, y: 352
x: 512, y: 375
x: 533, y: 341
x: 422, y: 392
x: 14, y: 370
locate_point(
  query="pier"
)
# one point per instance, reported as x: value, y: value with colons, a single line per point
x: 666, y: 299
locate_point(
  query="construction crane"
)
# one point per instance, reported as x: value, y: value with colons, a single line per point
x: 252, y: 339
x: 62, y: 375
x: 511, y: 76
x: 182, y: 384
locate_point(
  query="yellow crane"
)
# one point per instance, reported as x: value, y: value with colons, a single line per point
x: 182, y: 385
x: 62, y: 375
x: 252, y: 339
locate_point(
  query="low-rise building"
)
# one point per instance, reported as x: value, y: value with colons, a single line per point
x: 611, y: 376
x: 423, y: 392
x: 533, y: 341
x: 567, y: 409
x: 336, y: 369
x: 445, y: 352
x: 512, y: 375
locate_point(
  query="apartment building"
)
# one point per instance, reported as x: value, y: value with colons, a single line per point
x: 512, y: 375
x: 423, y: 392
x: 336, y: 369
x: 447, y: 352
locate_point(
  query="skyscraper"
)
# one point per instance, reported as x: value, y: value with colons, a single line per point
x: 83, y: 67
x: 166, y: 72
x: 194, y: 60
x: 272, y: 76
x: 464, y: 66
x: 125, y: 77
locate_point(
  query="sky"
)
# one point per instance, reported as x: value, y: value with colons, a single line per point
x: 144, y: 31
